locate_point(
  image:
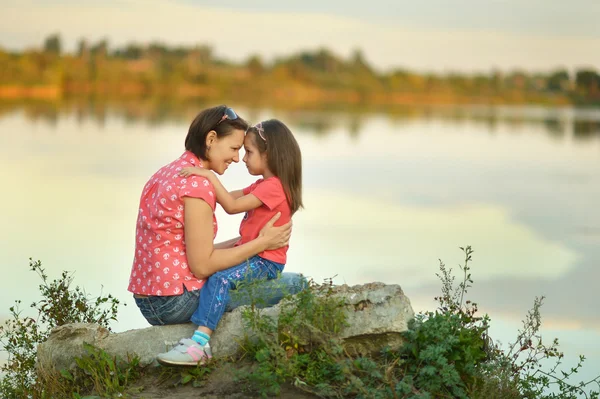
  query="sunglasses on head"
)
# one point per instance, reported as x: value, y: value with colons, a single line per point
x: 229, y: 114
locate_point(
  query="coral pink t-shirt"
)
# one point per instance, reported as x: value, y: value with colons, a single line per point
x: 270, y: 193
x: 160, y: 263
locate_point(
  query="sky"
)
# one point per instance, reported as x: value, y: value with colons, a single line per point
x: 427, y: 35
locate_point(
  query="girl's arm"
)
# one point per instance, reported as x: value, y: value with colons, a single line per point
x: 202, y: 256
x: 232, y: 203
x: 237, y: 193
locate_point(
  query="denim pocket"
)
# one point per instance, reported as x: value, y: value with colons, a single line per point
x: 176, y: 309
x: 145, y: 306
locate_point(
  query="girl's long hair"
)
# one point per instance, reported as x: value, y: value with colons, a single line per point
x: 284, y: 158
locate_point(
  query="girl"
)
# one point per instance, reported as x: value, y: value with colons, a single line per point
x: 273, y: 153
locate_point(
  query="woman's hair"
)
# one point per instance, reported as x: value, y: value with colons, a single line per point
x: 284, y: 159
x: 204, y: 122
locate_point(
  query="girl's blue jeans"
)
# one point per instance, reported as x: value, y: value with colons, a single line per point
x: 177, y: 309
x: 214, y: 295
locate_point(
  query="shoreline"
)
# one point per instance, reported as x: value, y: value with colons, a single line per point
x: 301, y: 96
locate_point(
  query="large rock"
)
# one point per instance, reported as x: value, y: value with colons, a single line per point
x: 376, y: 314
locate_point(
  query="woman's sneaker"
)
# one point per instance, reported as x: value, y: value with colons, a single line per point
x: 187, y: 353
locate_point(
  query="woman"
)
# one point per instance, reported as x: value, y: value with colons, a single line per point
x: 176, y: 226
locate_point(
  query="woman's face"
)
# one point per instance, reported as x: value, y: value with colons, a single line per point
x: 223, y: 151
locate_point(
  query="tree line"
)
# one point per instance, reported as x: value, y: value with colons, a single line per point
x: 156, y: 69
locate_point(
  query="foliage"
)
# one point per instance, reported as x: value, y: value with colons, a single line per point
x: 196, y: 376
x: 20, y: 335
x: 447, y: 353
x: 301, y: 346
x: 444, y: 348
x: 527, y: 359
x: 102, y: 374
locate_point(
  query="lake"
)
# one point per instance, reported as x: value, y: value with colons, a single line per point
x: 387, y: 195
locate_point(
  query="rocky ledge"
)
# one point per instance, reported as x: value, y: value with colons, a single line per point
x: 376, y: 313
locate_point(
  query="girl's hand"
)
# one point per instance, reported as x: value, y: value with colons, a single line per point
x: 194, y: 170
x: 276, y: 237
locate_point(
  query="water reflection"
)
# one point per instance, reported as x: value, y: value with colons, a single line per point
x: 584, y: 124
x: 420, y: 232
x: 586, y: 129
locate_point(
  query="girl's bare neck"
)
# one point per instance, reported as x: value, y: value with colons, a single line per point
x: 267, y: 174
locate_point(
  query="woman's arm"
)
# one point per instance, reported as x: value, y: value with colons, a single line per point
x: 204, y: 259
x: 234, y: 202
x: 227, y: 244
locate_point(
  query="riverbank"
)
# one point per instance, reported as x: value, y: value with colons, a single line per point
x: 293, y: 94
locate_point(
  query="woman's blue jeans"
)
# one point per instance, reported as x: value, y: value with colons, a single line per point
x: 177, y: 309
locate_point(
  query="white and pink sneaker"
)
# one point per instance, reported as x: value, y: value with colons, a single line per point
x: 187, y: 353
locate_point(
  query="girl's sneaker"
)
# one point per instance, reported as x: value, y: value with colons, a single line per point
x: 187, y: 353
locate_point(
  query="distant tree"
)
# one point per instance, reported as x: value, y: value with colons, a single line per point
x: 180, y: 52
x: 202, y: 55
x: 100, y: 48
x: 297, y: 69
x: 359, y: 62
x: 326, y: 61
x: 157, y: 50
x: 131, y: 52
x: 52, y: 44
x: 433, y: 82
x: 587, y: 81
x: 457, y: 81
x: 481, y: 82
x: 83, y: 49
x: 322, y: 61
x: 255, y: 65
x: 538, y: 81
x: 497, y: 80
x: 517, y: 80
x: 558, y: 80
x: 401, y: 73
x: 399, y: 79
x: 165, y: 69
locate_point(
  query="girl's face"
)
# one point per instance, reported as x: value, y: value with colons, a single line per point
x: 254, y: 160
x: 223, y: 151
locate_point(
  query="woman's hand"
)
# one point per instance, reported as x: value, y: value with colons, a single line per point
x: 194, y: 170
x: 276, y: 237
